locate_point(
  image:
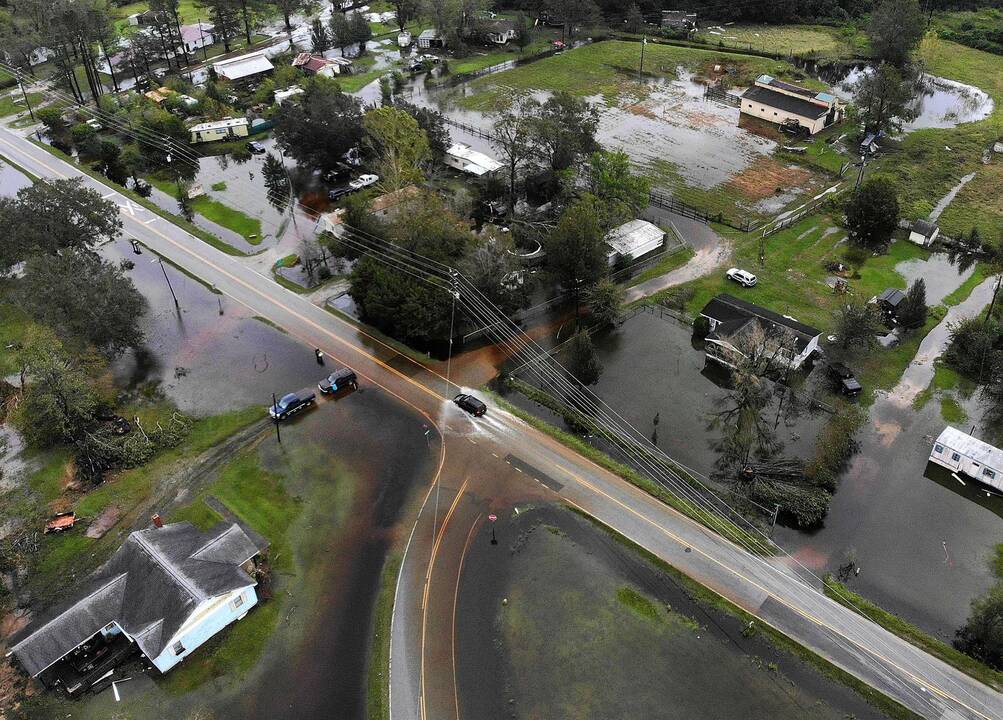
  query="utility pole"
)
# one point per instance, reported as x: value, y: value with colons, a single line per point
x: 169, y: 286
x: 640, y: 69
x: 25, y: 96
x: 205, y: 52
x: 275, y: 410
x: 860, y: 175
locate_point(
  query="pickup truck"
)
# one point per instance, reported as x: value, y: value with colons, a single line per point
x: 292, y: 403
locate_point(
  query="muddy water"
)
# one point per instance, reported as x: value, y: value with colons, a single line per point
x: 205, y: 361
x: 939, y: 102
x: 563, y: 640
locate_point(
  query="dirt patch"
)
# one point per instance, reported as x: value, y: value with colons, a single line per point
x: 104, y: 522
x: 642, y: 110
x: 766, y: 176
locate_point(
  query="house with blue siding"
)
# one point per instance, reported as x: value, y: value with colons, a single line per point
x: 163, y: 593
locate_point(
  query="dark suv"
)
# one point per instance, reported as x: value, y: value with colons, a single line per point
x: 844, y: 378
x: 339, y: 380
x: 471, y: 404
x: 292, y: 403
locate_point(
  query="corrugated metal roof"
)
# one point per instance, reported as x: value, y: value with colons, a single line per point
x: 972, y: 447
x: 243, y: 66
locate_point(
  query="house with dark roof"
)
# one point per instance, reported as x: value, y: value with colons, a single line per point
x: 164, y: 592
x: 784, y: 103
x: 890, y: 301
x: 319, y: 65
x: 735, y: 324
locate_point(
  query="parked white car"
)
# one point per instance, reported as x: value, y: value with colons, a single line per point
x: 742, y: 277
x: 363, y: 181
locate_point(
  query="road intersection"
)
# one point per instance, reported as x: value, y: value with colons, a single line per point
x: 490, y: 464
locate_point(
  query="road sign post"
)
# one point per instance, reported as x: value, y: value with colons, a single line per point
x: 492, y: 518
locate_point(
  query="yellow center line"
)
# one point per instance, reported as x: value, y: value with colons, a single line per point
x: 437, y: 396
x: 818, y: 621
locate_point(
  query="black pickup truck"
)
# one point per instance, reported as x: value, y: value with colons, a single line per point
x: 292, y: 403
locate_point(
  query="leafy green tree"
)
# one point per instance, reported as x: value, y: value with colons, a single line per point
x: 883, y: 98
x: 361, y: 32
x: 982, y: 636
x: 50, y: 217
x: 341, y: 30
x: 225, y: 18
x: 622, y: 194
x: 606, y: 302
x: 857, y: 327
x: 576, y: 249
x: 896, y: 28
x: 913, y: 312
x: 84, y: 298
x: 582, y: 360
x: 276, y: 182
x: 406, y: 11
x: 634, y: 21
x: 872, y: 214
x: 133, y: 162
x: 564, y: 130
x: 322, y: 126
x: 431, y: 121
x: 975, y: 345
x: 492, y: 270
x: 513, y: 138
x: 59, y: 402
x: 524, y: 32
x: 576, y: 14
x: 320, y: 41
x: 399, y: 143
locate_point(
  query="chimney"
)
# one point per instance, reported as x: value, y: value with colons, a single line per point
x: 157, y: 522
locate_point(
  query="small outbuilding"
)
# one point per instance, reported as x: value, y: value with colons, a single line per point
x: 499, y: 32
x: 243, y: 66
x: 960, y: 452
x: 924, y: 232
x: 784, y: 103
x: 196, y: 36
x: 319, y: 65
x: 466, y: 159
x: 225, y: 129
x: 282, y: 95
x: 431, y: 38
x: 890, y: 301
x: 634, y: 239
x: 391, y: 203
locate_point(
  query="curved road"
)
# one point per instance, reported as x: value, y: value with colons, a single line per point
x: 489, y: 462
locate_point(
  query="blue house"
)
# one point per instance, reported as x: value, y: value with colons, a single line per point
x: 164, y: 592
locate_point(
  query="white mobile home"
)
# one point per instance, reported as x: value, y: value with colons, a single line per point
x: 963, y: 453
x: 464, y: 158
x: 225, y: 129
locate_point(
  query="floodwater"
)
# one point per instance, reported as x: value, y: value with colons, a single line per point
x: 652, y: 368
x: 211, y: 354
x: 940, y: 275
x: 939, y: 102
x: 11, y: 179
x: 564, y: 645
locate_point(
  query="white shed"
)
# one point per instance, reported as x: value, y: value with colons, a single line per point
x: 282, y: 95
x: 923, y: 232
x: 243, y: 66
x: 634, y: 239
x: 963, y: 453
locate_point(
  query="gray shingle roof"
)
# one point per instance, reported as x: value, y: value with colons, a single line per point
x: 149, y: 586
x: 734, y: 315
x: 787, y: 103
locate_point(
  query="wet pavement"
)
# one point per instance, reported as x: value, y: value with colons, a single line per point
x: 540, y: 630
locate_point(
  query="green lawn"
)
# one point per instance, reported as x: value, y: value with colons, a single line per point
x: 14, y: 326
x: 822, y: 40
x: 487, y: 57
x: 923, y: 167
x: 610, y: 69
x: 128, y: 489
x: 12, y: 104
x: 246, y: 226
x: 793, y: 279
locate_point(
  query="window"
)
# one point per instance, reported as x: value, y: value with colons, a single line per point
x: 938, y: 448
x: 774, y: 114
x: 991, y: 474
x: 955, y: 457
x: 178, y: 648
x: 237, y: 601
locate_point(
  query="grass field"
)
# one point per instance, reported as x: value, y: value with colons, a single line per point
x: 217, y: 212
x: 925, y: 170
x: 610, y: 69
x: 793, y: 279
x: 821, y: 40
x: 12, y: 104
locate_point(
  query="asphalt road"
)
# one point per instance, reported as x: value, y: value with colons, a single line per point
x: 490, y: 462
